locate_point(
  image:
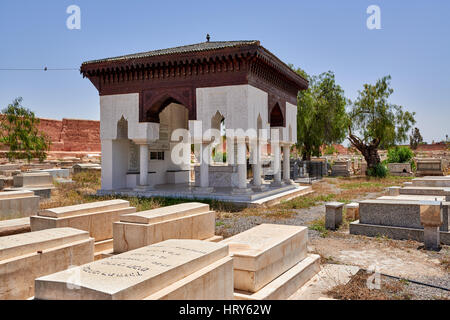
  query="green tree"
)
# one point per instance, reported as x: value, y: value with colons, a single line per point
x: 321, y: 116
x: 19, y: 132
x: 415, y: 139
x: 377, y: 122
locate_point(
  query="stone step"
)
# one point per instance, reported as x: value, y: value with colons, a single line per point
x: 287, y: 283
x: 166, y: 213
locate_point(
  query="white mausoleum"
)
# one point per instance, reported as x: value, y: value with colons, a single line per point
x: 238, y: 88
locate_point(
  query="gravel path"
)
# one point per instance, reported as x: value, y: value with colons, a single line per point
x: 230, y: 226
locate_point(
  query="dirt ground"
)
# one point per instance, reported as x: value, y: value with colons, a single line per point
x: 403, y: 259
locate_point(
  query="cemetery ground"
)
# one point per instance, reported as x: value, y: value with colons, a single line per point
x: 403, y: 265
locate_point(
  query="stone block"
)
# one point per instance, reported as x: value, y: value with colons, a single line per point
x: 97, y: 217
x: 440, y: 182
x: 35, y: 179
x: 333, y: 215
x: 286, y: 284
x: 400, y: 169
x: 431, y: 237
x: 429, y: 167
x: 431, y: 214
x: 352, y: 211
x: 183, y: 221
x: 81, y: 167
x: 18, y: 204
x: 55, y: 173
x: 25, y: 257
x: 394, y: 191
x: 162, y: 270
x: 263, y: 253
x: 177, y: 176
x: 399, y: 233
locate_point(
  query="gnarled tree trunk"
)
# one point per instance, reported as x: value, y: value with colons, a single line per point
x: 369, y: 151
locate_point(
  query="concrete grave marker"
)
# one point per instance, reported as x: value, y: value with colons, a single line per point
x: 25, y: 257
x: 261, y: 255
x: 191, y: 220
x: 143, y: 272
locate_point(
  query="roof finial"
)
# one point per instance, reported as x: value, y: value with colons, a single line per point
x: 207, y: 37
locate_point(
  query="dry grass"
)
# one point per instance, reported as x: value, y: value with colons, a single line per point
x: 332, y: 189
x: 356, y: 289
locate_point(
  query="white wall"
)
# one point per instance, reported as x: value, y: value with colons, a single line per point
x: 291, y: 119
x: 114, y: 107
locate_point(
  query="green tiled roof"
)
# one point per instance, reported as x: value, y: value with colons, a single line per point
x: 203, y: 46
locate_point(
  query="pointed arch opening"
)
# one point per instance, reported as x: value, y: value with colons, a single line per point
x: 276, y: 116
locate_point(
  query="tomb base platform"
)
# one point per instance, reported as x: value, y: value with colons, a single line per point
x: 398, y: 233
x: 268, y: 197
x: 287, y: 283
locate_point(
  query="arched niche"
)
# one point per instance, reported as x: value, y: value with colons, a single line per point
x: 276, y: 117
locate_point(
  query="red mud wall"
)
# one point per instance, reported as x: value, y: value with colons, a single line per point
x: 72, y: 134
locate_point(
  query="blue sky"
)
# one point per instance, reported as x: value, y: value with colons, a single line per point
x: 413, y: 46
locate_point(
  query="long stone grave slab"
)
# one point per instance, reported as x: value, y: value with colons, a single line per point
x: 264, y: 253
x: 18, y: 204
x: 425, y: 191
x: 41, y: 183
x: 191, y: 220
x: 397, y: 219
x: 439, y: 182
x: 145, y: 273
x: 14, y: 226
x: 96, y: 217
x: 25, y: 257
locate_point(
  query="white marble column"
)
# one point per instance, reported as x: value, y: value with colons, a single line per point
x: 277, y: 164
x: 241, y: 168
x: 204, y: 170
x: 286, y: 164
x: 205, y: 159
x: 256, y: 167
x: 143, y: 167
x: 143, y: 172
x: 242, y: 164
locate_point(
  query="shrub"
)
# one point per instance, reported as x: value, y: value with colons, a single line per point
x: 330, y: 150
x: 400, y: 155
x: 379, y: 171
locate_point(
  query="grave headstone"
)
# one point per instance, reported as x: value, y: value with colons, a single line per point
x: 18, y: 204
x: 191, y: 220
x: 25, y: 257
x: 173, y: 269
x: 96, y: 217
